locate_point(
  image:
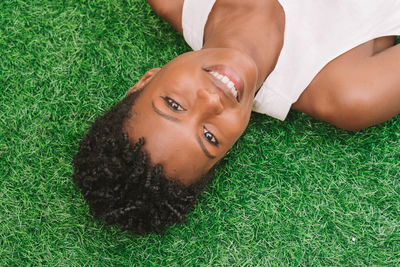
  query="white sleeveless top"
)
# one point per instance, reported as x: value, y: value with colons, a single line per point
x: 316, y: 32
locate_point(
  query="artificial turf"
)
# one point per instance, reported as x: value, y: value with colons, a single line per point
x: 299, y: 192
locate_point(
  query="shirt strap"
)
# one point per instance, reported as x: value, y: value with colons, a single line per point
x: 194, y: 18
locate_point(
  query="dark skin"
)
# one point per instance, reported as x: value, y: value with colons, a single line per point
x: 185, y: 114
x: 191, y: 121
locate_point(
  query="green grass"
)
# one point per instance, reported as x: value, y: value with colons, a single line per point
x: 300, y: 192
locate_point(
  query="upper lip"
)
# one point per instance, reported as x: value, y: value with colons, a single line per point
x: 234, y: 77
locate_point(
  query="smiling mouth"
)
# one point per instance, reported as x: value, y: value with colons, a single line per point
x: 231, y: 81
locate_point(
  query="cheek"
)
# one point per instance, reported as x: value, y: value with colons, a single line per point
x: 234, y: 124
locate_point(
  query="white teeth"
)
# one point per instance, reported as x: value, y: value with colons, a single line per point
x: 226, y: 81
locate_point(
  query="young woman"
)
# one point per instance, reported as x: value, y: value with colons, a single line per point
x: 334, y: 60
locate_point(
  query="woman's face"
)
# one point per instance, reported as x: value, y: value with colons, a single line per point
x: 193, y: 110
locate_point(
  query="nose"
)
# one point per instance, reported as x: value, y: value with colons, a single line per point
x: 210, y: 101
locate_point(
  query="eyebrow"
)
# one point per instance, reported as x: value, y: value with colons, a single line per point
x: 164, y: 115
x: 173, y: 119
x: 203, y: 147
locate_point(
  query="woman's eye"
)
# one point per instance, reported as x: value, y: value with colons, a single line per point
x: 210, y: 137
x: 173, y: 104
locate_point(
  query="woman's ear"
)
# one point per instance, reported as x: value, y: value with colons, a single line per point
x: 144, y: 80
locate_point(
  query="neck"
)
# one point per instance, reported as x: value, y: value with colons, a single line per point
x: 231, y: 26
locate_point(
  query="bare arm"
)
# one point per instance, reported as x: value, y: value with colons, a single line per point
x: 169, y: 10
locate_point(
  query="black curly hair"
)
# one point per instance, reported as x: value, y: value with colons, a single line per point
x: 118, y: 182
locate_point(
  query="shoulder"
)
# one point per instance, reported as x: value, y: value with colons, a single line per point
x: 170, y: 10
